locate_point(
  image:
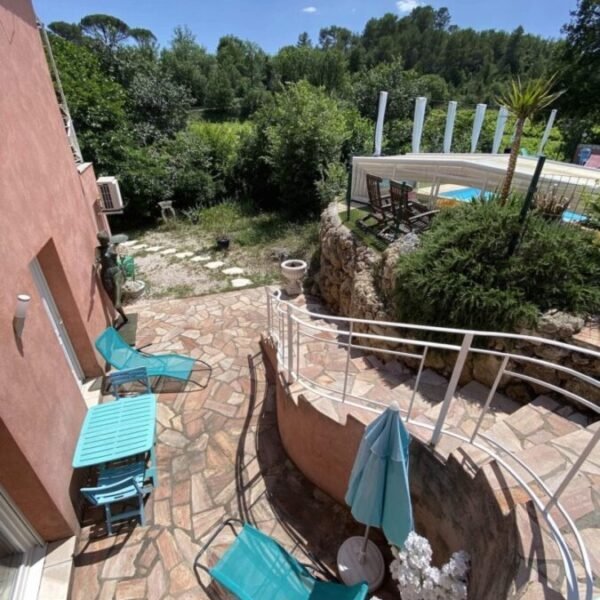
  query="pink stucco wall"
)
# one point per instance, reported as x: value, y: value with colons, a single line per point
x: 46, y: 211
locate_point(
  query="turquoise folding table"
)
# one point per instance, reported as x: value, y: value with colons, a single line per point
x: 118, y: 430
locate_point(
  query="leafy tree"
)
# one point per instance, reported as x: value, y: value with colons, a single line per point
x: 68, y: 31
x: 579, y: 61
x: 143, y: 37
x: 109, y: 31
x: 187, y: 63
x: 524, y: 100
x: 304, y: 40
x: 400, y: 84
x: 98, y: 107
x: 157, y: 105
x: 338, y: 38
x: 303, y: 131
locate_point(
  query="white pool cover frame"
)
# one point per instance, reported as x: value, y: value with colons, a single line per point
x: 482, y: 171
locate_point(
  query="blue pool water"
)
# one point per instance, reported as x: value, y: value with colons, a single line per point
x: 467, y: 195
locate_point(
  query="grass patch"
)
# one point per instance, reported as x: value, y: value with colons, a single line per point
x: 176, y: 291
x: 370, y: 239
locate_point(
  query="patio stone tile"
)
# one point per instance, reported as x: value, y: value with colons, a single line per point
x: 182, y: 516
x: 162, y: 513
x: 173, y: 438
x: 182, y: 579
x: 121, y: 564
x: 157, y: 582
x: 184, y: 254
x: 108, y: 590
x: 132, y: 589
x: 201, y: 499
x: 167, y: 548
x: 169, y: 251
x: 148, y: 556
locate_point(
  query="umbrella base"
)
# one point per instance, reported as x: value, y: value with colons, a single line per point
x: 352, y: 571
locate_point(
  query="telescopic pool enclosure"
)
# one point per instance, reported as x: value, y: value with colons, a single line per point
x: 432, y: 172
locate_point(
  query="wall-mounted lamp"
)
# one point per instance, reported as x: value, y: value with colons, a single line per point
x: 19, y: 318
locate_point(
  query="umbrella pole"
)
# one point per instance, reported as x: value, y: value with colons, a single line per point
x: 363, y: 551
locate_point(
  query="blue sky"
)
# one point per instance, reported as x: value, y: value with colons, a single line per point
x: 276, y: 23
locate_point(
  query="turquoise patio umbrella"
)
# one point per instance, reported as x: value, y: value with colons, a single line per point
x: 379, y: 496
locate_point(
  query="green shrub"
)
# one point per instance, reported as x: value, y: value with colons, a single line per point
x: 298, y: 135
x: 461, y: 275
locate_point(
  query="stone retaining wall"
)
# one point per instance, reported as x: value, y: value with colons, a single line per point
x: 356, y: 281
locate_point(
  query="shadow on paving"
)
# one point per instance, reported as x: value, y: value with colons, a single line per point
x: 315, y: 524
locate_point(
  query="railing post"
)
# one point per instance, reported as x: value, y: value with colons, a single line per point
x: 290, y: 342
x: 417, y: 382
x: 490, y: 397
x: 573, y: 470
x: 346, y: 370
x: 452, y: 385
x: 269, y: 309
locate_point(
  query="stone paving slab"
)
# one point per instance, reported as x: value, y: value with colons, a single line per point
x: 241, y: 282
x: 215, y: 264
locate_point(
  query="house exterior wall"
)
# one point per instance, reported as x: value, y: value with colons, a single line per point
x: 47, y: 211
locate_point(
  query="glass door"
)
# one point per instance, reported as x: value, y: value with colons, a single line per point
x: 21, y: 553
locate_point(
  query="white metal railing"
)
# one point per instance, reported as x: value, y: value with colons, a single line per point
x: 294, y: 326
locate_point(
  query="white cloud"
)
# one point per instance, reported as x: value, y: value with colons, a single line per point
x: 309, y: 9
x: 405, y: 6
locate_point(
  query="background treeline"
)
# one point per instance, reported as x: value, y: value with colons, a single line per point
x: 184, y: 124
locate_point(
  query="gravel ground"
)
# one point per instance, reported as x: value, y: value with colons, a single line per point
x: 169, y: 276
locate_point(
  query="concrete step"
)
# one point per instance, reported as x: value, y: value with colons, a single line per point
x: 464, y: 413
x: 540, y: 562
x: 535, y: 423
x: 551, y: 461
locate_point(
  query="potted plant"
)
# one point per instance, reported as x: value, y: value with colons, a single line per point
x: 132, y: 288
x: 223, y: 241
x: 418, y: 580
x: 550, y: 203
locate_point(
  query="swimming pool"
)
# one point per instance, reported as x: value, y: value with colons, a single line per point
x: 467, y: 195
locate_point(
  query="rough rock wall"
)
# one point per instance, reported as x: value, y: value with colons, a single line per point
x: 355, y: 281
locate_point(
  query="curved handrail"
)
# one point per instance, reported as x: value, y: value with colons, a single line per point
x: 287, y: 322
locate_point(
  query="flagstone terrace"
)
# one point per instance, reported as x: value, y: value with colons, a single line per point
x: 219, y: 455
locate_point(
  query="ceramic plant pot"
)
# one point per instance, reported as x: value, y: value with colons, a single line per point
x: 293, y: 271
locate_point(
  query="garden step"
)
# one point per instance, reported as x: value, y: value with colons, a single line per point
x: 551, y: 461
x: 541, y: 420
x: 540, y: 561
x: 464, y: 412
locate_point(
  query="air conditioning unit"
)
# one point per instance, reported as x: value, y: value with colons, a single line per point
x: 111, y: 201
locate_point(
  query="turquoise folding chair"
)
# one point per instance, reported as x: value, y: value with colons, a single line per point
x: 119, y: 354
x: 116, y: 485
x: 138, y: 376
x: 256, y: 567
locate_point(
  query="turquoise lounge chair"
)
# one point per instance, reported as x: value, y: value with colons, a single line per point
x: 256, y: 567
x: 119, y: 354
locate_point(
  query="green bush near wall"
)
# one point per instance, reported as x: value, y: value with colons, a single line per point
x: 461, y: 275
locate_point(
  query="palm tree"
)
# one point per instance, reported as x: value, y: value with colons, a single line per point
x: 523, y: 100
